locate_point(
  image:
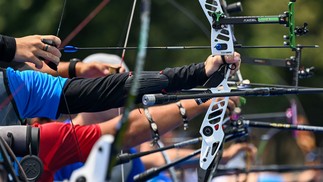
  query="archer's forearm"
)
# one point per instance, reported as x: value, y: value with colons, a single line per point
x: 166, y: 117
x: 99, y: 94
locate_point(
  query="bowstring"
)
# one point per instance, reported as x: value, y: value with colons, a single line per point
x: 130, y: 103
x: 84, y: 22
x: 60, y: 83
x: 122, y: 61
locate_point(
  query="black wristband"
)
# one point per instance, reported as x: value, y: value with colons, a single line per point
x: 71, y: 67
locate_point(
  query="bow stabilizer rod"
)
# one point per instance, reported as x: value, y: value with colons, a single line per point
x: 260, y: 124
x: 126, y: 157
x: 155, y: 99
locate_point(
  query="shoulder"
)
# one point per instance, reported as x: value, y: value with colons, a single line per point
x: 34, y: 77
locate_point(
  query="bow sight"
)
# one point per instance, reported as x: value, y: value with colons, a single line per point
x: 220, y: 21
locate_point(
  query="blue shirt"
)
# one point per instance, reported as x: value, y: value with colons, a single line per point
x: 66, y: 172
x: 36, y: 94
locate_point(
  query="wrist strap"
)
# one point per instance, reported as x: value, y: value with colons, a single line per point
x: 153, y: 127
x: 71, y: 67
x: 182, y: 112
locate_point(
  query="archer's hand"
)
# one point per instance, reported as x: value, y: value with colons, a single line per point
x: 96, y: 69
x: 31, y: 48
x: 234, y: 101
x: 234, y: 149
x: 213, y: 63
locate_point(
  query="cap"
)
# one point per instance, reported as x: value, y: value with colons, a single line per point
x: 105, y: 58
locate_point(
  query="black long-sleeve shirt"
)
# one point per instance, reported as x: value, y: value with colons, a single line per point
x: 98, y: 94
x: 7, y: 48
x: 37, y: 94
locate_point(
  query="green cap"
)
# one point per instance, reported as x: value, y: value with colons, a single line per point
x: 243, y: 101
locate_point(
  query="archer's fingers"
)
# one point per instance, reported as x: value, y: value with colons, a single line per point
x: 38, y: 63
x: 122, y: 69
x: 53, y: 50
x: 235, y: 100
x: 235, y: 60
x: 48, y: 56
x: 231, y: 106
x: 57, y: 41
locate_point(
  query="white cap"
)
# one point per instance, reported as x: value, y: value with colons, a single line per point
x: 105, y: 58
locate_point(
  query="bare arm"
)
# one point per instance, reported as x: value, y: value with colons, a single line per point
x: 84, y: 70
x: 166, y: 117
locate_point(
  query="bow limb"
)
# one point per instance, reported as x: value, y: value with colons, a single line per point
x: 211, y: 129
x: 222, y: 42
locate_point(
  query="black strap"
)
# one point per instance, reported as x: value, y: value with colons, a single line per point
x: 217, y: 77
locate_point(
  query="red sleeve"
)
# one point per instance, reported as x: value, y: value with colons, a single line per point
x: 58, y: 146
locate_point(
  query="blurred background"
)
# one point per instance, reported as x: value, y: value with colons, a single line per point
x: 182, y: 22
